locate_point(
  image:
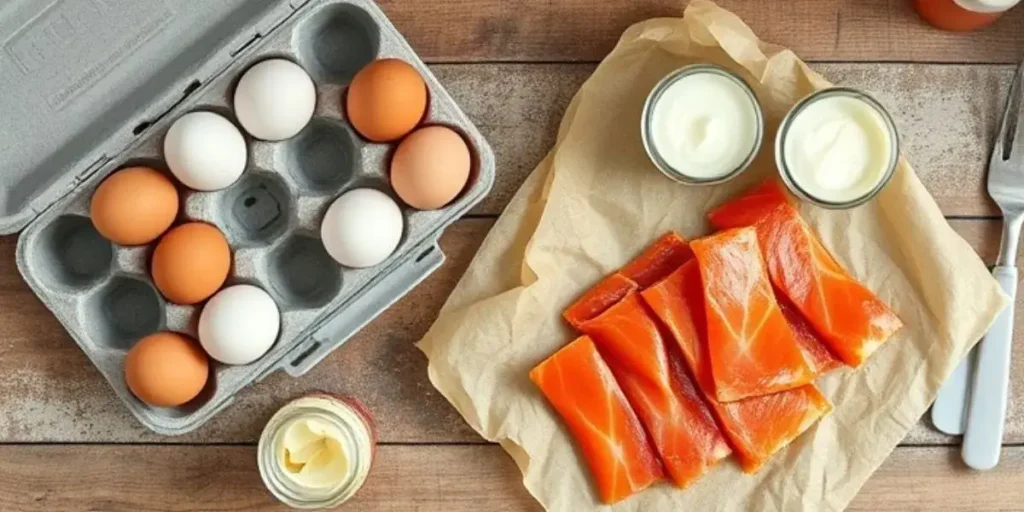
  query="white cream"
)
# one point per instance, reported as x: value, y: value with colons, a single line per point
x: 837, y: 148
x: 704, y: 125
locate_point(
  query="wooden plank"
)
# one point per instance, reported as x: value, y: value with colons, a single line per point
x: 411, y: 478
x: 52, y: 393
x: 946, y: 115
x: 582, y: 30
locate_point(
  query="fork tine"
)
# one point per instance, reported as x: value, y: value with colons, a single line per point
x: 1012, y: 115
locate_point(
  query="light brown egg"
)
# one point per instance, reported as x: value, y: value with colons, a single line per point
x: 166, y: 369
x: 191, y: 262
x: 430, y: 167
x: 386, y: 100
x: 134, y: 206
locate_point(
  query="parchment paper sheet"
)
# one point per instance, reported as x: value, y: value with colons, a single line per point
x: 596, y: 200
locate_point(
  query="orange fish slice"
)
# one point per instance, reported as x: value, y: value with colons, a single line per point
x: 582, y: 389
x: 756, y: 427
x: 598, y: 298
x: 816, y: 355
x: 654, y: 380
x: 850, y: 319
x: 659, y: 260
x: 678, y: 302
x: 752, y: 348
x: 761, y: 426
x: 754, y: 205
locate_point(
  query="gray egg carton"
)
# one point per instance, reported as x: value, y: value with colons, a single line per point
x: 103, y: 294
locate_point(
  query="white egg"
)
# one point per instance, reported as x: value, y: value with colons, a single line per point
x: 205, y: 151
x: 275, y: 99
x: 239, y: 324
x: 362, y: 228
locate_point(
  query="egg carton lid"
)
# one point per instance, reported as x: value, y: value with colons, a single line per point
x: 82, y: 79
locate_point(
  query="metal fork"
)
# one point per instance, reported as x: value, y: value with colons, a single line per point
x: 986, y: 412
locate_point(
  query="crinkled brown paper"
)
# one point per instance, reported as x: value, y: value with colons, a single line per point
x: 596, y: 200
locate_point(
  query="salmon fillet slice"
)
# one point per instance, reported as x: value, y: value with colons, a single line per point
x: 581, y: 388
x: 598, y: 298
x: 657, y: 261
x: 816, y: 354
x: 749, y: 208
x: 848, y: 317
x: 653, y: 377
x: 756, y: 428
x: 752, y: 348
x: 760, y: 427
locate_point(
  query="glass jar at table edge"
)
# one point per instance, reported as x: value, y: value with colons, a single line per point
x: 962, y: 15
x: 647, y: 121
x: 350, y: 417
x: 780, y: 147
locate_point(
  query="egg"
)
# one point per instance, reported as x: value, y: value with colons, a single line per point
x: 191, y: 262
x: 239, y: 324
x: 430, y: 167
x: 362, y: 228
x: 134, y: 206
x: 275, y: 99
x: 205, y: 151
x: 166, y: 369
x: 386, y: 100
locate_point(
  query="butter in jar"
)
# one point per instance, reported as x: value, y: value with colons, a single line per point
x: 317, y: 451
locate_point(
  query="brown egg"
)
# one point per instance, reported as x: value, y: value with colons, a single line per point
x: 134, y: 206
x: 386, y: 100
x: 430, y: 167
x: 191, y: 262
x: 166, y: 369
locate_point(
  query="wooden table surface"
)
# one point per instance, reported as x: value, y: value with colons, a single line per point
x: 69, y: 444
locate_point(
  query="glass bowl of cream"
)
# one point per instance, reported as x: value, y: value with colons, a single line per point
x: 702, y: 124
x: 837, y: 148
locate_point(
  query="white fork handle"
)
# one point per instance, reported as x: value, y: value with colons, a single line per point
x: 987, y: 412
x: 949, y: 412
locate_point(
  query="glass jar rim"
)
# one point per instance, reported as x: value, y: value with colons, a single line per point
x: 647, y: 119
x: 780, y: 146
x: 283, y: 487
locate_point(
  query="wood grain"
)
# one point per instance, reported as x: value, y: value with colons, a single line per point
x: 583, y: 30
x: 946, y: 115
x: 412, y: 478
x: 53, y: 394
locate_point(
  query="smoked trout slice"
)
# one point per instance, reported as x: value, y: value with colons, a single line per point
x: 653, y: 376
x: 581, y: 388
x: 756, y: 427
x: 752, y: 348
x: 848, y: 317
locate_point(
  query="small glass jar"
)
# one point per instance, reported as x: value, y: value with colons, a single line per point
x: 962, y: 15
x: 858, y: 192
x: 352, y: 430
x: 745, y: 102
